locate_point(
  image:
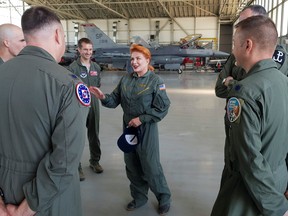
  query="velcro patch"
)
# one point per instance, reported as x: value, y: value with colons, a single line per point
x: 233, y: 109
x: 237, y: 87
x: 279, y: 57
x: 73, y: 76
x: 162, y: 87
x: 83, y: 74
x: 93, y: 73
x: 83, y: 94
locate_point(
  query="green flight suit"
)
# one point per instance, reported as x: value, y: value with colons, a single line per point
x: 144, y: 97
x: 91, y: 78
x: 280, y: 56
x: 41, y: 134
x: 255, y: 177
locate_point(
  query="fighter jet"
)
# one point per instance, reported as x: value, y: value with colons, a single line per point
x: 187, y: 42
x: 166, y: 57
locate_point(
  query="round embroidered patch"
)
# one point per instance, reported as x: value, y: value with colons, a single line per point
x: 233, y: 109
x: 83, y: 94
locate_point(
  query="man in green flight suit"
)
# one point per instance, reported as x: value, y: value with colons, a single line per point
x: 43, y: 109
x: 232, y: 73
x: 255, y: 178
x: 89, y: 72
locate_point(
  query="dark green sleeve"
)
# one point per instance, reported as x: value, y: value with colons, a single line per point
x: 113, y: 100
x: 160, y: 105
x: 229, y: 69
x: 220, y: 89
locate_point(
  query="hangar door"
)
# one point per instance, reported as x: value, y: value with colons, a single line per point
x: 226, y: 35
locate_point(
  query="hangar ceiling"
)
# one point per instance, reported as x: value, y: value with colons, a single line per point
x: 226, y: 10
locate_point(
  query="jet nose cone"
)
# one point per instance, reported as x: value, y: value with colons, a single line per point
x: 220, y: 54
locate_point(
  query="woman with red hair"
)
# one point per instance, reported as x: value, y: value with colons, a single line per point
x: 142, y: 96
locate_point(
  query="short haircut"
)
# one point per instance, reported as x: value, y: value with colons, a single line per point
x: 256, y: 9
x: 36, y: 18
x: 261, y: 30
x: 7, y: 30
x: 84, y: 40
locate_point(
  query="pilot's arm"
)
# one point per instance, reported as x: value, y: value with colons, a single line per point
x: 227, y: 77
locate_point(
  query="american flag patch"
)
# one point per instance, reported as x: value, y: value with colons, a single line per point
x: 162, y: 87
x: 93, y: 73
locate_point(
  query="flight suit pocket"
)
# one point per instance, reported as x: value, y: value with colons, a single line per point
x: 160, y: 103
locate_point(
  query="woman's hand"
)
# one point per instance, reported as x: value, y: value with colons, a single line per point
x: 97, y: 92
x: 135, y: 122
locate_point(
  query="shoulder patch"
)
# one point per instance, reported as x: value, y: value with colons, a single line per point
x: 279, y: 57
x: 83, y: 94
x: 233, y: 109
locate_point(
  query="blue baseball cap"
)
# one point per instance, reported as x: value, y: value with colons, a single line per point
x: 128, y: 141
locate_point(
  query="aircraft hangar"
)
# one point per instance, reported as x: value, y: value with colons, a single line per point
x: 192, y: 135
x: 157, y: 22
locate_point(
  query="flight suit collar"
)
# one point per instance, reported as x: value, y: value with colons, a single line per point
x: 36, y: 51
x: 145, y: 75
x: 260, y: 66
x: 78, y: 60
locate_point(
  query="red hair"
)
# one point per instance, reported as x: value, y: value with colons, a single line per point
x: 146, y: 52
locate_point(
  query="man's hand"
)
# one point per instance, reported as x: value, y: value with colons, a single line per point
x: 22, y: 210
x: 3, y: 209
x: 227, y: 80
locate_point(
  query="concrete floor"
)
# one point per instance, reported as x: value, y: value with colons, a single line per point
x: 191, y: 148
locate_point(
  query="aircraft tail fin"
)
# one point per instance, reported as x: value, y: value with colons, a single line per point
x: 98, y: 37
x: 140, y: 40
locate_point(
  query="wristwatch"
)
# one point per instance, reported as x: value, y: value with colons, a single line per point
x: 223, y: 81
